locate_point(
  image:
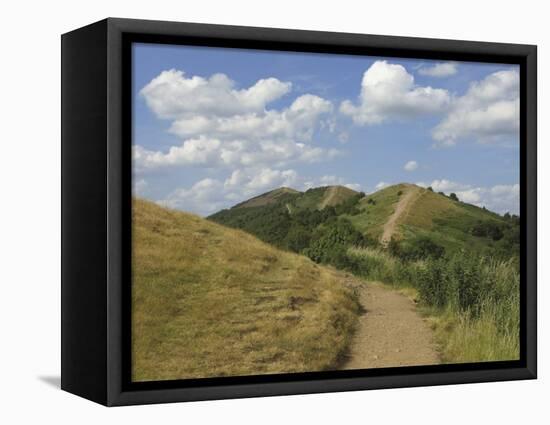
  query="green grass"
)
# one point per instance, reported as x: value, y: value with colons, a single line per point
x: 374, y: 215
x: 465, y: 339
x: 318, y: 198
x: 472, y: 302
x: 212, y: 301
x: 448, y: 223
x: 283, y: 194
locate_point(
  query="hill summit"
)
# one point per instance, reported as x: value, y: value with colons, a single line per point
x: 405, y: 213
x: 314, y: 198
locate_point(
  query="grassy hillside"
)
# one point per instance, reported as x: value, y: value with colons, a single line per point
x: 278, y: 195
x: 322, y: 197
x: 376, y: 208
x: 461, y: 260
x: 208, y: 300
x: 298, y: 221
x: 434, y: 216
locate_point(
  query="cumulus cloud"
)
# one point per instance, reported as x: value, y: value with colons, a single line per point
x: 222, y: 126
x: 210, y: 153
x: 204, y: 197
x: 410, y: 166
x: 499, y: 198
x: 388, y: 92
x: 172, y: 95
x: 296, y: 122
x: 439, y: 70
x: 487, y: 112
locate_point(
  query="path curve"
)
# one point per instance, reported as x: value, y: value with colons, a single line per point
x: 402, y: 208
x: 390, y: 332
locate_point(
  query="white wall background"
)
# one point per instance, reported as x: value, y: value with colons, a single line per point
x: 30, y: 212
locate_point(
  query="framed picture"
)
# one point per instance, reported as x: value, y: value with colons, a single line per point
x: 253, y: 212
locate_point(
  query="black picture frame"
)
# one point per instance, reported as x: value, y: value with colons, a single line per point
x: 96, y: 211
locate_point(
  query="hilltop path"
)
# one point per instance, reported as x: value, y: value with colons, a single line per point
x: 332, y: 191
x: 390, y: 332
x: 402, y: 208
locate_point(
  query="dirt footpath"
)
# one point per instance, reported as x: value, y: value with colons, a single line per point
x: 390, y: 332
x: 402, y: 208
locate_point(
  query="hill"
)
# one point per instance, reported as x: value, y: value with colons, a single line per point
x: 269, y: 198
x: 451, y: 224
x: 413, y: 218
x: 460, y: 261
x: 208, y: 300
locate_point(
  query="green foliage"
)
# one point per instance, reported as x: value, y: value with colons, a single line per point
x: 297, y: 238
x: 349, y: 206
x: 270, y: 223
x: 470, y: 284
x: 330, y: 242
x: 453, y: 196
x: 488, y: 229
x: 473, y: 300
x: 323, y: 235
x: 416, y: 248
x: 430, y: 188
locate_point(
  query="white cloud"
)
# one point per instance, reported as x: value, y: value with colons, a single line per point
x: 381, y: 185
x: 222, y: 126
x: 204, y: 197
x: 296, y: 122
x: 353, y: 186
x: 439, y: 70
x: 330, y: 180
x: 487, y: 112
x: 343, y: 137
x: 388, y: 92
x: 447, y: 186
x: 410, y: 166
x: 498, y: 198
x: 209, y: 153
x: 172, y: 95
x: 139, y: 187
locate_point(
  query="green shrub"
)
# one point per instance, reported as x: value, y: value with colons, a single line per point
x: 415, y: 249
x: 488, y: 229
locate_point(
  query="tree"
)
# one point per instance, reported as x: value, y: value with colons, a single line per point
x: 430, y: 189
x: 454, y: 197
x: 297, y: 238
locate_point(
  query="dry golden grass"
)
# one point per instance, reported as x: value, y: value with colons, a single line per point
x: 466, y: 340
x: 212, y: 301
x: 427, y: 206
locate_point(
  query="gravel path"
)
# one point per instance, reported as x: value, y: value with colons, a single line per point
x: 390, y: 332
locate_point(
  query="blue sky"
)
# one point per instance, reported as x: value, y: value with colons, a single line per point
x: 213, y: 126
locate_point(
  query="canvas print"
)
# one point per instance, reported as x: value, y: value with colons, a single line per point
x: 299, y: 212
